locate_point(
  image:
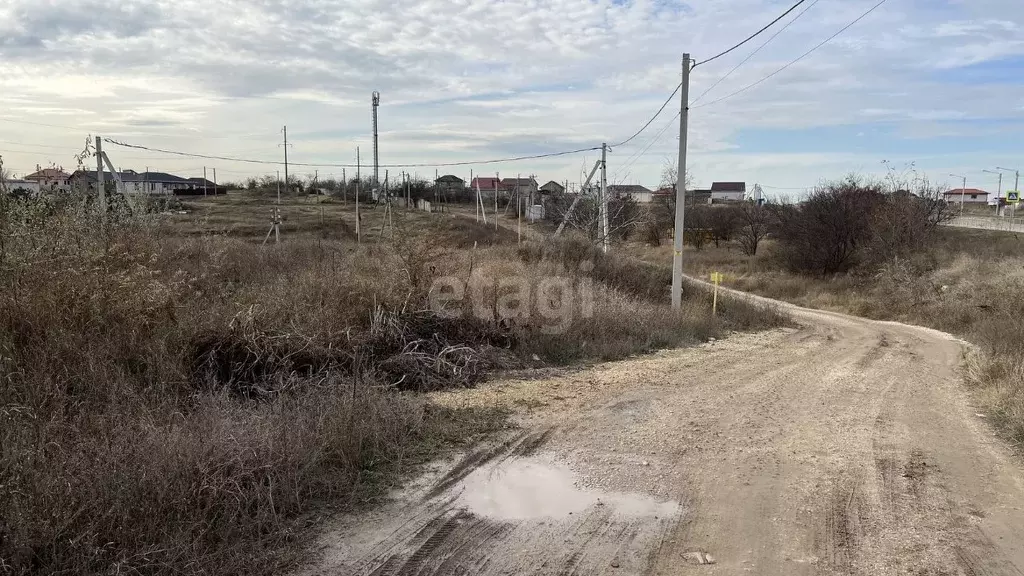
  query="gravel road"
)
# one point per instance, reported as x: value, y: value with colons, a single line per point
x: 845, y: 446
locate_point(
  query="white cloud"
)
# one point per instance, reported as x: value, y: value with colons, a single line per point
x: 469, y: 79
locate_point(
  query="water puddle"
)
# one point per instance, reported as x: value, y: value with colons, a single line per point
x: 530, y: 488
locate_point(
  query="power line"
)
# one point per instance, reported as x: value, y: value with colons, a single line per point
x: 636, y: 156
x: 752, y: 36
x: 653, y: 118
x: 801, y: 57
x: 328, y: 165
x: 754, y: 53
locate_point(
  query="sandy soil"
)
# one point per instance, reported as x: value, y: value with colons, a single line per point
x: 845, y: 446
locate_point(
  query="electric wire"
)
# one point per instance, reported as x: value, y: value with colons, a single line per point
x: 330, y: 165
x: 653, y: 118
x: 752, y: 36
x: 798, y: 59
x: 754, y: 53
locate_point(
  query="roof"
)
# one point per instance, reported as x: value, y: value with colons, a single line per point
x: 665, y: 191
x: 48, y: 174
x: 450, y: 179
x: 968, y: 191
x: 132, y: 176
x: 192, y: 180
x: 628, y: 189
x: 484, y: 182
x: 729, y: 187
x: 520, y: 181
x: 553, y: 186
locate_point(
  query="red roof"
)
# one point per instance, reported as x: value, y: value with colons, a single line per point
x: 48, y: 174
x: 967, y: 191
x: 486, y: 183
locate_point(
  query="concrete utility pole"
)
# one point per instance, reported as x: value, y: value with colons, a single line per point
x: 359, y: 189
x: 204, y: 180
x: 285, y: 130
x: 963, y: 191
x: 279, y: 187
x: 604, y: 197
x: 497, y: 180
x: 677, y: 240
x: 214, y: 181
x: 100, y: 184
x: 376, y: 102
x: 1016, y: 177
x: 999, y: 194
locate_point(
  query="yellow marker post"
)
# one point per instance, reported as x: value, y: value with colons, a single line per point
x: 716, y: 278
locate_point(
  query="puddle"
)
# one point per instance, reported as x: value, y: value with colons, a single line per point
x: 530, y: 488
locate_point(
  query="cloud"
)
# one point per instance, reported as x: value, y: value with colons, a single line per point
x: 467, y: 79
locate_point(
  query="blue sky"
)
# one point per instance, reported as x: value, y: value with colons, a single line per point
x: 936, y: 83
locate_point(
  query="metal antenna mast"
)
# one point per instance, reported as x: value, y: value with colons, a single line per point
x: 376, y: 158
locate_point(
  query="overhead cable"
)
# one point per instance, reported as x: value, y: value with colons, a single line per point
x: 330, y: 165
x: 801, y: 57
x: 752, y: 36
x: 754, y: 53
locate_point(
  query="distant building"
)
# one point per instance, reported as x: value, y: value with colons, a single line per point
x: 152, y: 183
x: 728, y: 192
x: 552, y: 187
x: 968, y: 196
x: 523, y: 186
x: 450, y: 183
x: 486, y: 184
x: 22, y: 187
x: 50, y: 179
x: 637, y: 192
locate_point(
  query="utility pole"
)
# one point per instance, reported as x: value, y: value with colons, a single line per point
x: 359, y: 189
x: 677, y: 240
x: 278, y: 187
x: 214, y: 181
x: 285, y: 130
x: 344, y: 184
x: 497, y: 180
x: 519, y: 213
x: 376, y: 102
x: 963, y: 192
x: 604, y: 197
x: 999, y: 194
x: 100, y: 184
x: 204, y: 180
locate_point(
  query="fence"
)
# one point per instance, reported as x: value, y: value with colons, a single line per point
x: 989, y: 223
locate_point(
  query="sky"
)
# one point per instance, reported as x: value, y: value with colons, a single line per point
x: 937, y: 84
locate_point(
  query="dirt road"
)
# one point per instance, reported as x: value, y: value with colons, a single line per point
x: 845, y: 446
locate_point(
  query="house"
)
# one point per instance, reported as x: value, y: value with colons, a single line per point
x: 21, y: 187
x: 523, y: 186
x: 50, y: 179
x: 637, y: 192
x: 728, y: 192
x: 486, y: 184
x: 966, y: 195
x: 152, y: 183
x: 552, y: 187
x: 450, y: 183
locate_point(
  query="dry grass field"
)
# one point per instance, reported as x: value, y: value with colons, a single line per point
x: 178, y: 398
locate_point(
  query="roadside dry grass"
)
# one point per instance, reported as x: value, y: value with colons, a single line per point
x: 179, y: 399
x: 969, y: 285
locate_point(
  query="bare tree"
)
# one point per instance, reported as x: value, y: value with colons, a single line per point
x: 753, y: 224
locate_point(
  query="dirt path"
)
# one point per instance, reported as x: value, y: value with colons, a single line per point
x: 846, y: 446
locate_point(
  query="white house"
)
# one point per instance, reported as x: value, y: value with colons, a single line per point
x: 50, y: 179
x: 728, y: 192
x: 967, y: 196
x: 638, y: 193
x: 22, y: 186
